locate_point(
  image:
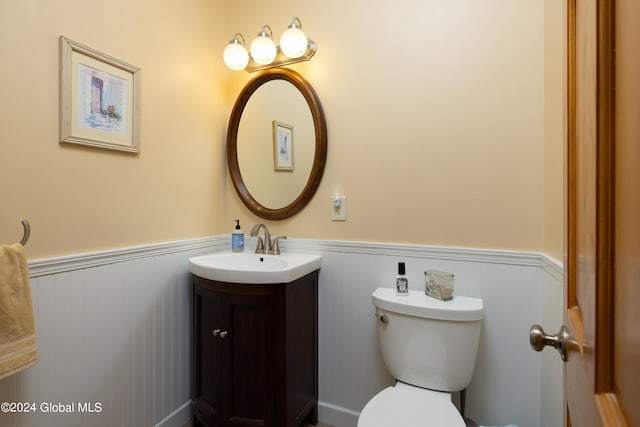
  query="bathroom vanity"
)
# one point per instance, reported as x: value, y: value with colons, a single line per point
x: 255, y: 315
x: 255, y: 350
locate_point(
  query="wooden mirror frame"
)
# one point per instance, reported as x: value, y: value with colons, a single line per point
x: 320, y: 152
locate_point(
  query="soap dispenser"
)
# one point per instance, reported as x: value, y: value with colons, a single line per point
x: 237, y: 238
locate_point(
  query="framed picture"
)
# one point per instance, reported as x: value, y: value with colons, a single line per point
x: 99, y: 99
x: 282, y: 146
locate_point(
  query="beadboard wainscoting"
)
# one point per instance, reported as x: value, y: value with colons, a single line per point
x: 515, y: 286
x: 114, y: 336
x: 552, y: 305
x: 115, y: 328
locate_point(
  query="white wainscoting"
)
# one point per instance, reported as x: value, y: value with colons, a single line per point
x: 507, y: 384
x: 114, y: 328
x: 553, y: 303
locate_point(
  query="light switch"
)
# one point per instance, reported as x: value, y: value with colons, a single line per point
x: 339, y: 208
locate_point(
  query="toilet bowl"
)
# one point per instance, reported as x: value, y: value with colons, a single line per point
x: 404, y: 405
x: 430, y: 347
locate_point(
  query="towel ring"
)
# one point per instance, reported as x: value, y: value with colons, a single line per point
x: 27, y: 232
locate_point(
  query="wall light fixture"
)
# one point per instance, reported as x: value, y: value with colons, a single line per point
x: 294, y: 47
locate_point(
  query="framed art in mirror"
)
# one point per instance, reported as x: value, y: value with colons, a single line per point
x: 99, y: 99
x: 282, y: 146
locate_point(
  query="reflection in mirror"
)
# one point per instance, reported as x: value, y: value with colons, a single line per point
x: 261, y: 158
x: 277, y: 144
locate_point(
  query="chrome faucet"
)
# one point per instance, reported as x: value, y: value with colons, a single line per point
x: 266, y: 246
x: 260, y: 248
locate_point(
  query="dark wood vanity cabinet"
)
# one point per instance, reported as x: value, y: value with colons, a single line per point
x: 255, y: 351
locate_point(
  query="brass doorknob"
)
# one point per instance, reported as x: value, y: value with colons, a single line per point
x: 540, y: 340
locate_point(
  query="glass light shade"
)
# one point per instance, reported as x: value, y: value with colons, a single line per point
x: 293, y: 42
x: 263, y: 50
x: 235, y: 56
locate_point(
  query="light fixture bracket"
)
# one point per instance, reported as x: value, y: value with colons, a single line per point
x: 282, y: 59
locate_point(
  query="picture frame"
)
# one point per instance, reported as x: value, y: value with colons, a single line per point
x: 99, y: 99
x: 282, y: 147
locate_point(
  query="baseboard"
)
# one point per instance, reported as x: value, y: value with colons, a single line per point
x: 178, y: 418
x: 334, y: 415
x: 337, y: 415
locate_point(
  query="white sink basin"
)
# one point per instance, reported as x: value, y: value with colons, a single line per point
x: 248, y: 267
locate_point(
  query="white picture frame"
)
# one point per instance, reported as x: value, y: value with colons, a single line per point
x: 99, y: 99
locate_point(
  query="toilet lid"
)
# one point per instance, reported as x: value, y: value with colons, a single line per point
x: 394, y: 407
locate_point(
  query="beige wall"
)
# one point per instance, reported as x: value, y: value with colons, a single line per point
x: 79, y: 199
x: 554, y: 127
x: 436, y: 120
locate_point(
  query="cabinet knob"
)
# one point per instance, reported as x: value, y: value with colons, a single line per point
x: 223, y: 334
x: 215, y: 332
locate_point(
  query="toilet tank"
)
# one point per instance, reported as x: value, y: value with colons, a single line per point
x: 427, y: 342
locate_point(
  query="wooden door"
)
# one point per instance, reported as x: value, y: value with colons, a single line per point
x: 602, y: 372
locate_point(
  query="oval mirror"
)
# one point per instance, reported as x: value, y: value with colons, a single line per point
x: 277, y: 144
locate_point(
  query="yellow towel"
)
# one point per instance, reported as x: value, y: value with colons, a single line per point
x: 18, y: 349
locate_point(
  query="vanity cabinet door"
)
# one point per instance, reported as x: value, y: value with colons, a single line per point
x: 233, y: 355
x: 248, y: 360
x: 255, y: 353
x: 207, y: 356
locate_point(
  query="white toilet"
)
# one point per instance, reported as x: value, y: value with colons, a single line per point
x: 429, y: 346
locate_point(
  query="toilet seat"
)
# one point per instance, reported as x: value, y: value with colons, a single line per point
x: 396, y: 406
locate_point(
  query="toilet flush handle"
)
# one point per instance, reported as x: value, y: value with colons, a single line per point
x: 381, y: 316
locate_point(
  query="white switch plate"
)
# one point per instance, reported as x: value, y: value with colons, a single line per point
x: 339, y: 208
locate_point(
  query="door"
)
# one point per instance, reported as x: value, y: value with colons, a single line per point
x: 234, y: 354
x: 602, y: 371
x: 207, y: 354
x: 248, y: 356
